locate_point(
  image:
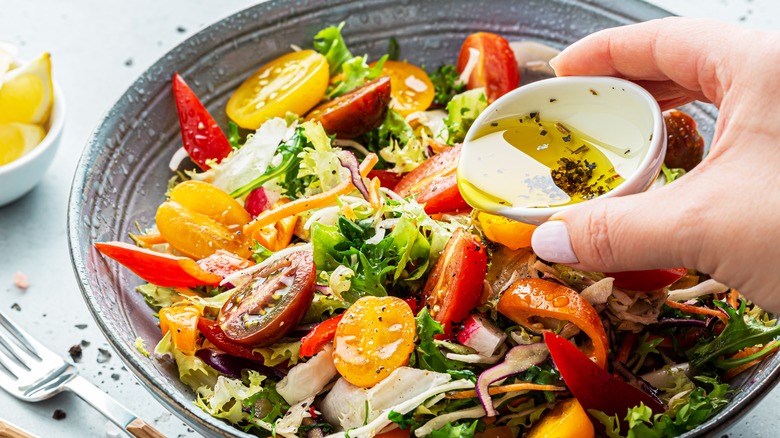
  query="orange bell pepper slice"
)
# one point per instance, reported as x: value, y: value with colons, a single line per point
x: 182, y: 322
x: 161, y: 269
x: 531, y: 297
x: 277, y: 236
x: 512, y: 234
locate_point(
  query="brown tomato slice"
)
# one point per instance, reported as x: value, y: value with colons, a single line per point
x: 356, y: 112
x: 272, y: 303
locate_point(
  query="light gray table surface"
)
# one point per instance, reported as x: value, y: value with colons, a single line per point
x: 99, y: 47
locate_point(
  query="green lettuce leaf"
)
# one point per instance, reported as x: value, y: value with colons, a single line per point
x: 427, y: 354
x: 356, y: 73
x: 462, y: 111
x: 159, y: 297
x: 446, y: 84
x: 330, y: 43
x: 449, y: 430
x: 284, y: 350
x: 393, y: 131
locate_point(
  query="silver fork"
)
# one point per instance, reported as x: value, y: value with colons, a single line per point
x: 31, y: 372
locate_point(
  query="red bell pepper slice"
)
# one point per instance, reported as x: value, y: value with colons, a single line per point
x: 213, y: 332
x: 593, y: 387
x: 644, y: 281
x: 158, y: 268
x: 320, y: 335
x: 201, y: 135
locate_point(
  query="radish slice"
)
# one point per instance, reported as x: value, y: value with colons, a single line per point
x: 481, y: 335
x: 517, y: 360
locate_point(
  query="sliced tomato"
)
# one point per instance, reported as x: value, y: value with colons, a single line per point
x: 224, y: 263
x: 374, y: 338
x: 644, y: 281
x: 160, y: 269
x: 455, y: 285
x: 272, y: 303
x: 494, y: 64
x: 435, y: 183
x: 412, y: 89
x: 356, y: 112
x: 202, y: 137
x: 320, y: 335
x: 213, y: 332
x: 685, y: 146
x: 387, y: 179
x: 294, y: 82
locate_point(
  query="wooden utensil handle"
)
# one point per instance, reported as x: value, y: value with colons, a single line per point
x: 141, y: 429
x: 8, y: 430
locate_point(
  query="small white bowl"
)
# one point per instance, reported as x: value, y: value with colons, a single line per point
x: 612, y: 110
x: 20, y: 176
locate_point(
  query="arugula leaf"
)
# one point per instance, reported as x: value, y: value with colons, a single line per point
x: 330, y: 43
x: 645, y: 347
x: 451, y: 431
x: 446, y: 84
x: 286, y: 170
x: 400, y: 259
x: 427, y: 353
x: 462, y: 111
x: 741, y: 331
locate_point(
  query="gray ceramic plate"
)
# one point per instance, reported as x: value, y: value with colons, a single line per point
x: 124, y: 169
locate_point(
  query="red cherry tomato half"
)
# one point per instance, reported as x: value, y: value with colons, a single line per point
x: 435, y: 183
x: 496, y: 67
x: 387, y: 179
x: 455, y: 284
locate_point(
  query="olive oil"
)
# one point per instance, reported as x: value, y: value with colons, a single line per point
x: 541, y: 163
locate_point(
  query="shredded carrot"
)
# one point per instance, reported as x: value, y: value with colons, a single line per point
x: 693, y: 309
x: 373, y: 194
x: 303, y: 204
x: 733, y: 372
x: 493, y: 390
x: 148, y: 240
x: 733, y: 298
x: 625, y: 347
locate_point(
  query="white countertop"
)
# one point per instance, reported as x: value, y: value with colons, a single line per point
x: 99, y: 47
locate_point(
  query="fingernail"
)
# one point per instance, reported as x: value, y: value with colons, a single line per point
x: 553, y: 61
x: 551, y: 242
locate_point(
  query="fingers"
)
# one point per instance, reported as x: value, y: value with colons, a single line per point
x: 656, y: 229
x: 688, y: 52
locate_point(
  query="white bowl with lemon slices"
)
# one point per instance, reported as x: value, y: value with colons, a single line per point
x: 32, y: 115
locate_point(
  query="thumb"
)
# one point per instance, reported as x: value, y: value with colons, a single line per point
x: 650, y: 230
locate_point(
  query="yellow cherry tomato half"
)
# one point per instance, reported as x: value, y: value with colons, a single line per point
x: 374, y: 338
x: 567, y: 420
x: 182, y: 322
x: 295, y: 82
x: 204, y: 198
x: 410, y: 86
x: 512, y: 234
x: 200, y: 219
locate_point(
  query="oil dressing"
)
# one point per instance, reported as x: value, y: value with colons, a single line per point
x: 540, y: 163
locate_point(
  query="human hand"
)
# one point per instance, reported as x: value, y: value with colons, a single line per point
x: 722, y: 218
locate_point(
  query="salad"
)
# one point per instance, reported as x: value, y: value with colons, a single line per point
x: 319, y: 274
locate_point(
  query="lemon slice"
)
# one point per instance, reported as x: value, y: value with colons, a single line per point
x: 16, y: 139
x: 26, y: 94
